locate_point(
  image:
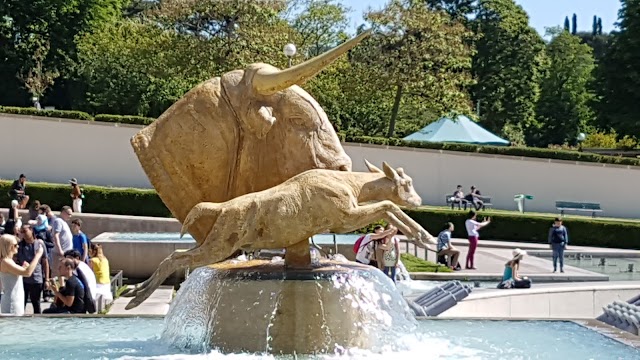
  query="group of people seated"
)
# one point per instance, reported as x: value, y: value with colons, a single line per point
x: 474, y: 197
x: 45, y: 257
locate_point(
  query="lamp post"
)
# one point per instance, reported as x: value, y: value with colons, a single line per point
x: 581, y: 137
x: 290, y: 50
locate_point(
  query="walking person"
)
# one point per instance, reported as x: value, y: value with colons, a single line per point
x: 473, y: 226
x: 558, y: 239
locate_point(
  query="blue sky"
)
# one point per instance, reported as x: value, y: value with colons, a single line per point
x: 542, y: 13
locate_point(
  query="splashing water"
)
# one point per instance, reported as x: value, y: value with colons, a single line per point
x: 319, y: 311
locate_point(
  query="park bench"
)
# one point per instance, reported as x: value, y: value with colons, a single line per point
x: 464, y: 203
x: 578, y: 206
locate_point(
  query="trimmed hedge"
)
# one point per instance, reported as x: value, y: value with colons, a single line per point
x: 78, y: 115
x: 100, y: 200
x: 65, y: 114
x: 500, y: 150
x: 497, y: 150
x: 124, y: 119
x: 532, y: 228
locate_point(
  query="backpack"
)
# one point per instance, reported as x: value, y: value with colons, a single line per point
x: 358, y: 244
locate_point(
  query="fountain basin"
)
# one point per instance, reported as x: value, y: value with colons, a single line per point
x: 260, y: 306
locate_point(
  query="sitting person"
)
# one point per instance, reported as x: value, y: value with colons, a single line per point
x: 86, y: 277
x: 458, y: 197
x: 511, y: 277
x: 475, y: 198
x: 69, y: 297
x: 100, y: 266
x: 445, y: 248
x: 18, y: 191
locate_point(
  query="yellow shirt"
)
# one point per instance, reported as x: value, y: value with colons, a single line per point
x: 101, y: 269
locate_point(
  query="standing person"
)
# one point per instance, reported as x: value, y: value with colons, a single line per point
x: 100, y: 267
x: 18, y: 191
x: 14, y: 222
x: 391, y: 252
x: 80, y: 241
x: 76, y: 195
x: 61, y: 236
x: 445, y: 247
x: 367, y: 247
x: 472, y: 232
x: 558, y: 239
x: 27, y: 250
x: 11, y: 274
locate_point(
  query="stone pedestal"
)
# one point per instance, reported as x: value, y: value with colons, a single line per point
x: 256, y: 306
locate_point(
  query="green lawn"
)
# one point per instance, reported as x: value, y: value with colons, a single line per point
x: 415, y: 264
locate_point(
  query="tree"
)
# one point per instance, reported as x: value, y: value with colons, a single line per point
x: 574, y: 24
x: 59, y: 22
x: 599, y: 31
x: 594, y: 26
x: 567, y: 25
x: 418, y: 54
x: 457, y: 9
x: 34, y: 76
x: 564, y: 106
x: 320, y: 24
x: 619, y: 76
x: 508, y: 67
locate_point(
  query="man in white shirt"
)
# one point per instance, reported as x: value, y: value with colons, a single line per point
x: 366, y: 252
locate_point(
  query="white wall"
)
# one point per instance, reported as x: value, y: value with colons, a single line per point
x: 54, y: 150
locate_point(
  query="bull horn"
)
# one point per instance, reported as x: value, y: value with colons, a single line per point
x: 269, y: 81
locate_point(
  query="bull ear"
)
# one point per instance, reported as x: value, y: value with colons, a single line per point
x: 390, y: 172
x: 372, y: 168
x: 269, y: 80
x: 260, y: 121
x: 400, y: 171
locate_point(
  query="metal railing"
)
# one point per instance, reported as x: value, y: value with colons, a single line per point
x: 419, y: 254
x: 117, y: 282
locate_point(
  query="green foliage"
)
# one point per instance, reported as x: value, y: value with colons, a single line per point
x: 563, y: 109
x: 415, y: 264
x: 135, y: 120
x: 418, y: 53
x: 320, y: 25
x: 101, y: 200
x: 499, y: 150
x: 509, y: 65
x: 56, y: 23
x: 65, y: 114
x: 619, y: 78
x: 534, y: 228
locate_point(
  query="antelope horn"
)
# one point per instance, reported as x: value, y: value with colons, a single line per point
x: 269, y: 81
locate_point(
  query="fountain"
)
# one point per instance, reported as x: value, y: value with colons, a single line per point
x: 249, y: 161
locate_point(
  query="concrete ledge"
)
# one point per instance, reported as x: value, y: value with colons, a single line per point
x: 544, y: 301
x: 497, y: 277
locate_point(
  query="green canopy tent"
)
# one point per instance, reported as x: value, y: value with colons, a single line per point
x: 462, y: 130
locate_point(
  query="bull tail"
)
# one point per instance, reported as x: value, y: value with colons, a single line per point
x: 203, y: 209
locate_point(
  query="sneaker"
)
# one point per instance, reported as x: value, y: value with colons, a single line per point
x: 561, y: 270
x: 554, y: 270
